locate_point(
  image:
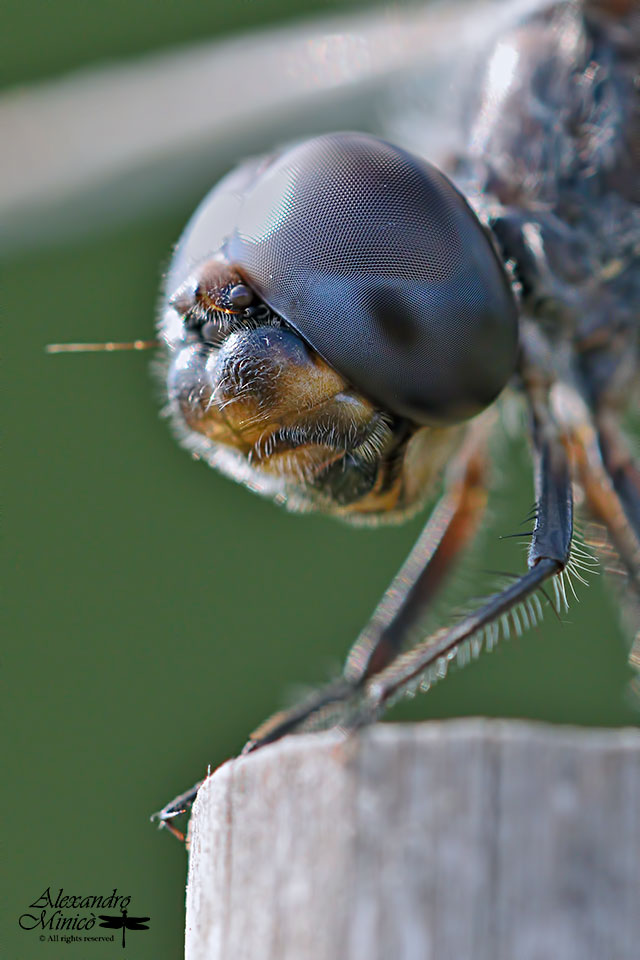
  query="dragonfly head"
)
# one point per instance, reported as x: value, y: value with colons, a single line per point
x: 324, y: 307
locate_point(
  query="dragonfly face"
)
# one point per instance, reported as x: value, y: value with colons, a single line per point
x: 334, y: 312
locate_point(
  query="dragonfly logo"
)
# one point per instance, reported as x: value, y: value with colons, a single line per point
x: 73, y: 918
x: 123, y: 922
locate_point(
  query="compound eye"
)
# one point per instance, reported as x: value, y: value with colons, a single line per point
x: 377, y: 260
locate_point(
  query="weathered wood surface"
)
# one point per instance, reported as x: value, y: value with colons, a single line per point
x: 464, y: 840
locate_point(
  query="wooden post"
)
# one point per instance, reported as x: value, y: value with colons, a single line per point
x: 462, y: 840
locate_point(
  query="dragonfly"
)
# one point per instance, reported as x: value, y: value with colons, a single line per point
x: 342, y: 319
x: 124, y: 922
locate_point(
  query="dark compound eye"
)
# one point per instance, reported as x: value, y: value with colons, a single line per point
x: 375, y: 258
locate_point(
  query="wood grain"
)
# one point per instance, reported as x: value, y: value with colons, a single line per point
x: 463, y: 840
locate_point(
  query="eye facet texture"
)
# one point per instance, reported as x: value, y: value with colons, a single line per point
x: 378, y: 262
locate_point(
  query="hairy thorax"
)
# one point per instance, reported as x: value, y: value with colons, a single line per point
x: 553, y: 163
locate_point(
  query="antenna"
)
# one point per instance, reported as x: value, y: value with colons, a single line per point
x: 108, y: 347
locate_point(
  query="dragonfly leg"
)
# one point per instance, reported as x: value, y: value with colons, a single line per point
x: 619, y: 464
x: 604, y: 488
x: 610, y: 482
x: 175, y: 808
x: 607, y: 476
x: 549, y: 553
x: 606, y: 470
x: 449, y: 529
x: 607, y: 366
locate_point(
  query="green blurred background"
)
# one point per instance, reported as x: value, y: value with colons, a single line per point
x: 157, y: 612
